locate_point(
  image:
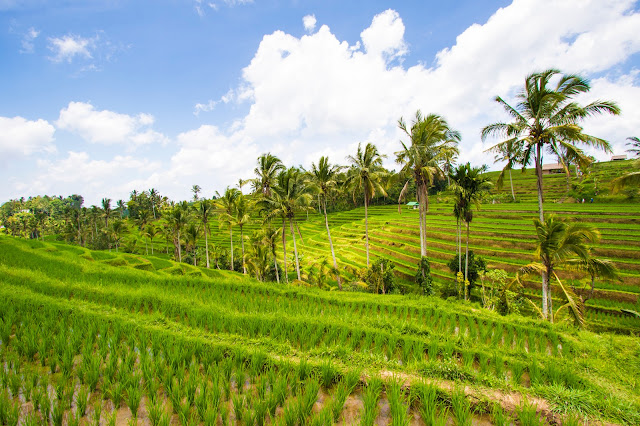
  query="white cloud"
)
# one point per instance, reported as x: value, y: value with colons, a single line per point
x: 19, y: 136
x: 309, y: 22
x: 211, y: 104
x: 108, y: 127
x: 68, y: 47
x: 28, y: 40
x: 80, y: 174
x: 385, y: 36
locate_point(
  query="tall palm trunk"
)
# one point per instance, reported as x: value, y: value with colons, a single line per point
x: 366, y: 226
x: 206, y: 245
x: 231, y: 239
x: 513, y: 194
x: 545, y: 275
x: 459, y: 237
x: 244, y: 266
x: 333, y: 253
x: 295, y: 248
x: 466, y: 256
x: 275, y: 263
x: 179, y: 249
x: 284, y: 250
x: 152, y: 246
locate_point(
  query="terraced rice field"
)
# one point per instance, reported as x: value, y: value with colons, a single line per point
x: 99, y: 338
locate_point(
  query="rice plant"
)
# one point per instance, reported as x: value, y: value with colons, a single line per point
x: 499, y: 417
x: 427, y: 395
x: 527, y: 414
x: 461, y: 408
x: 370, y: 399
x: 397, y: 403
x: 82, y: 398
x: 134, y: 395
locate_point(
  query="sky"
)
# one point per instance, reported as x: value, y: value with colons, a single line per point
x: 102, y: 97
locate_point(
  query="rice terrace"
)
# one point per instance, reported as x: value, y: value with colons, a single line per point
x: 408, y: 277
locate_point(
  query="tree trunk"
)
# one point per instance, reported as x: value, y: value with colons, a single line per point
x: 231, y: 239
x: 539, y: 180
x: 459, y: 236
x: 179, y: 249
x: 333, y: 253
x: 244, y: 266
x: 545, y: 304
x: 284, y: 250
x: 295, y: 248
x: 275, y: 264
x: 152, y: 246
x: 513, y: 194
x: 206, y: 245
x: 366, y: 227
x: 146, y: 246
x: 549, y: 296
x: 466, y: 260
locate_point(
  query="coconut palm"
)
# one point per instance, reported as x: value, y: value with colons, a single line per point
x: 121, y: 208
x: 432, y: 144
x: 151, y: 231
x: 365, y: 174
x: 635, y: 146
x: 240, y: 219
x: 116, y: 230
x: 559, y: 243
x: 288, y: 197
x: 204, y: 211
x: 154, y: 195
x: 178, y: 218
x: 632, y: 178
x: 546, y: 118
x: 191, y: 234
x: 266, y: 173
x: 226, y: 206
x: 469, y: 184
x: 196, y: 190
x: 511, y: 153
x: 322, y: 178
x: 269, y: 236
x: 106, y: 211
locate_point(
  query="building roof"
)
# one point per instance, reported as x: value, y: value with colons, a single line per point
x: 555, y: 166
x: 412, y: 203
x: 618, y: 157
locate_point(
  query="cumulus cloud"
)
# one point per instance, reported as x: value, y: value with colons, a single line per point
x: 309, y: 22
x: 108, y: 127
x: 68, y: 47
x: 19, y: 136
x: 80, y: 174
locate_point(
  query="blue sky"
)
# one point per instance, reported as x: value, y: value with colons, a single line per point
x: 103, y: 97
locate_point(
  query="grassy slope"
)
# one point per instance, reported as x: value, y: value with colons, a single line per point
x: 446, y: 342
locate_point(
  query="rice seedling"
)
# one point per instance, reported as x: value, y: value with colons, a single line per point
x: 461, y: 408
x: 517, y: 370
x: 57, y: 413
x: 238, y: 406
x: 328, y: 374
x: 96, y: 414
x: 111, y: 420
x: 134, y: 395
x: 289, y: 416
x: 307, y: 399
x: 427, y: 395
x: 442, y: 418
x: 82, y: 398
x: 397, y: 403
x: 117, y: 394
x: 527, y: 414
x: 370, y: 399
x: 499, y: 416
x: 32, y: 419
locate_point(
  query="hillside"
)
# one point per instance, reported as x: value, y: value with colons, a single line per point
x: 216, y: 345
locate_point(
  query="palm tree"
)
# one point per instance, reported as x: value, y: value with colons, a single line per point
x: 365, y: 174
x: 635, y: 146
x: 205, y: 210
x: 632, y: 178
x: 106, y: 208
x: 547, y: 118
x: 196, y: 190
x: 153, y: 195
x: 151, y: 231
x: 559, y: 243
x: 469, y: 184
x: 288, y: 197
x: 266, y: 173
x: 116, y: 230
x: 226, y: 205
x: 191, y: 241
x: 241, y: 218
x: 178, y: 218
x: 142, y: 221
x: 269, y: 237
x: 510, y: 152
x: 122, y: 208
x: 323, y: 179
x: 432, y: 143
